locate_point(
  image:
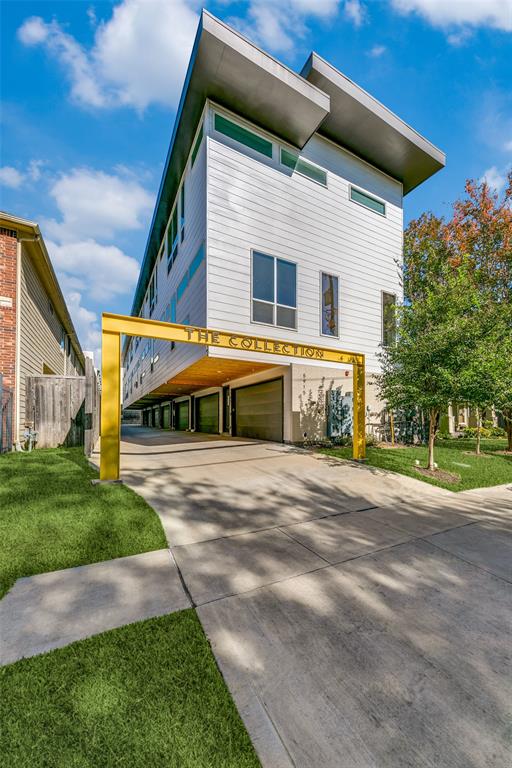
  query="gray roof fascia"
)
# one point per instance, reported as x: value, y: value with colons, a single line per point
x: 370, y: 130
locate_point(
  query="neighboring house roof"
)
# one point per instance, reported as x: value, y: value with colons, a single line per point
x: 227, y: 68
x: 30, y: 234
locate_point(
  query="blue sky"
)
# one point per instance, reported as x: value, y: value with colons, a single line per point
x: 89, y: 91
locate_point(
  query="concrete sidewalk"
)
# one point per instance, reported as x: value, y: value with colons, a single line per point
x: 360, y: 618
x: 51, y: 610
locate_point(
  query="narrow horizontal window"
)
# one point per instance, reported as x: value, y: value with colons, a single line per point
x: 330, y: 302
x: 243, y: 135
x: 196, y: 262
x: 357, y: 196
x: 197, y: 144
x: 299, y: 165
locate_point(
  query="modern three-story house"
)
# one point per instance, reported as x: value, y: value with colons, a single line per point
x: 280, y: 215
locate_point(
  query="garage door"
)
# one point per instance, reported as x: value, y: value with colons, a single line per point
x: 207, y: 413
x: 258, y: 411
x: 166, y: 416
x: 182, y: 415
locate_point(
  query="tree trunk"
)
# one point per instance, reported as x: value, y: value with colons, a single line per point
x: 478, y: 430
x: 508, y: 427
x: 432, y: 428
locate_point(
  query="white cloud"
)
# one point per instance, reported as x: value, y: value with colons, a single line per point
x: 14, y: 178
x: 34, y: 169
x: 444, y: 13
x: 278, y: 24
x: 91, y: 15
x: 139, y: 55
x: 99, y: 271
x: 460, y: 37
x: 73, y: 58
x: 377, y: 51
x: 10, y: 177
x: 508, y: 146
x: 34, y: 31
x: 86, y: 324
x: 496, y: 178
x: 355, y: 11
x: 94, y: 204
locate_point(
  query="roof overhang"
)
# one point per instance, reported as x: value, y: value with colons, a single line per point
x: 366, y: 127
x: 29, y: 234
x: 233, y: 72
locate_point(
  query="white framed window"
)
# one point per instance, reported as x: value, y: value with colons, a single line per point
x: 361, y: 197
x: 274, y: 291
x: 329, y: 303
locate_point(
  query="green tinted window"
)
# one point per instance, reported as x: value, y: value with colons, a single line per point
x: 296, y: 163
x: 289, y: 159
x: 369, y: 202
x: 197, y: 144
x: 182, y: 287
x: 196, y: 261
x: 242, y: 135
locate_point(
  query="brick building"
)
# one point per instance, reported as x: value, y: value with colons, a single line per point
x: 37, y: 336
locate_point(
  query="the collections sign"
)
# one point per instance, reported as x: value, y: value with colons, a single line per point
x: 253, y: 344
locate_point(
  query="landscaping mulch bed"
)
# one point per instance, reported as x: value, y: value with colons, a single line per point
x: 500, y: 453
x: 439, y: 474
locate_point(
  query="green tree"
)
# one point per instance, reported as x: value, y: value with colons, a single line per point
x: 485, y: 379
x: 436, y: 336
x: 480, y: 231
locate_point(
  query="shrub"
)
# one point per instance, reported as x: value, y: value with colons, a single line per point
x: 472, y: 432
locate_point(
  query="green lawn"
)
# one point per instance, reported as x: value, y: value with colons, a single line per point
x: 51, y: 516
x: 453, y: 456
x: 145, y: 695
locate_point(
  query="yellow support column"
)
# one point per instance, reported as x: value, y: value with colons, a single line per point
x: 359, y: 417
x: 110, y: 405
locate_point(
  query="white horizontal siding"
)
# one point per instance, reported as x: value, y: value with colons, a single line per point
x: 193, y: 304
x: 258, y: 205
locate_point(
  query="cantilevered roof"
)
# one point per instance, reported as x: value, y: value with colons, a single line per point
x: 235, y: 73
x: 226, y: 67
x: 369, y: 129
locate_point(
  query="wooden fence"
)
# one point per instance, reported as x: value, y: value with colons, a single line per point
x: 64, y: 410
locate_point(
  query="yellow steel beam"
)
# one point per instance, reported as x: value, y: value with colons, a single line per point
x: 359, y: 415
x: 110, y: 404
x: 115, y: 325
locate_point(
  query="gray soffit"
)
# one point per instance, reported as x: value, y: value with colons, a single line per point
x: 363, y: 125
x: 230, y: 70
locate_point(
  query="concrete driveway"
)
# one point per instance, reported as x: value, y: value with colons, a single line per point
x: 361, y: 619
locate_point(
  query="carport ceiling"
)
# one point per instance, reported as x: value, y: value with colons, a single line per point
x: 206, y: 372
